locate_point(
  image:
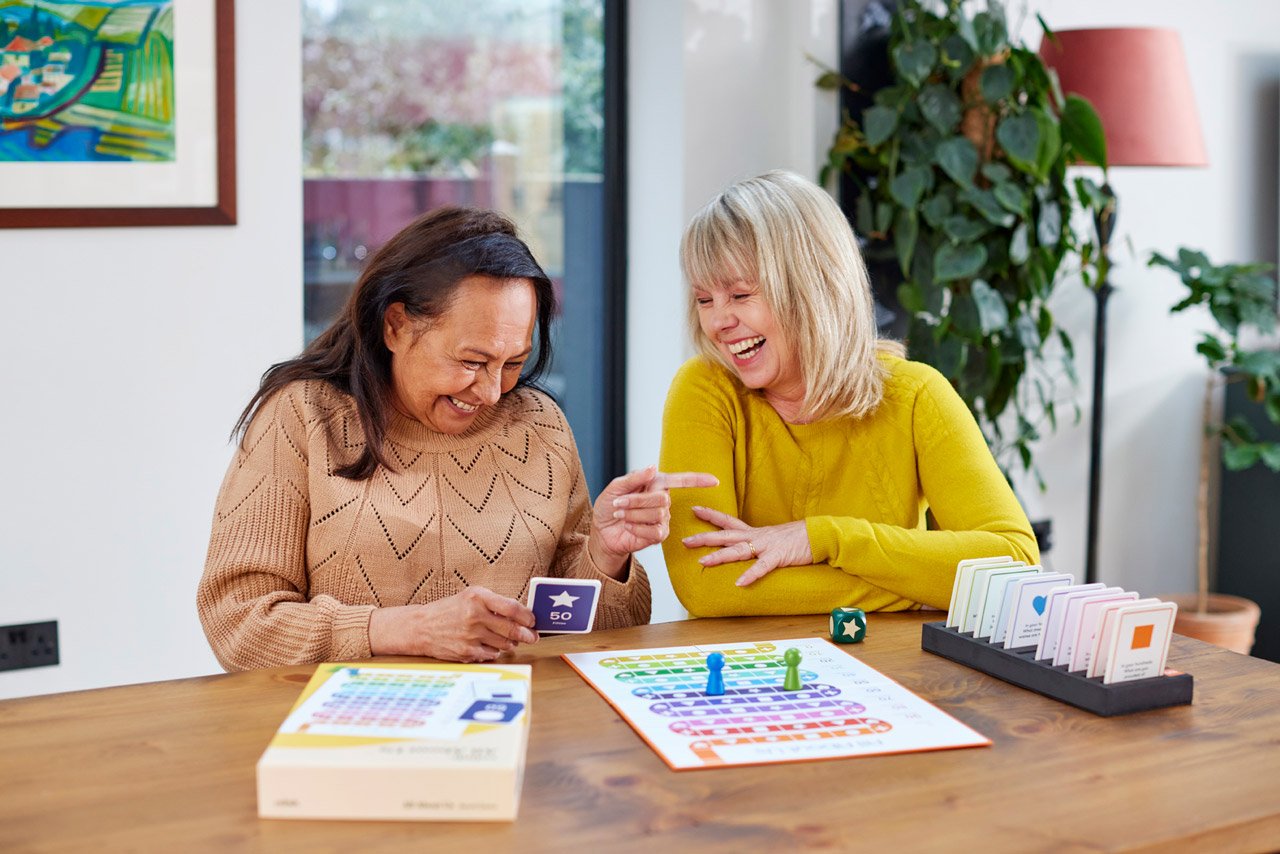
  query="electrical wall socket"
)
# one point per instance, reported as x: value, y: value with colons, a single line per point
x: 28, y: 645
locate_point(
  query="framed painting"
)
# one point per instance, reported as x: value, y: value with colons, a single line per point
x: 117, y: 113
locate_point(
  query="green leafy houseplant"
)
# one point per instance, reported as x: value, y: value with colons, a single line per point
x: 960, y: 167
x: 1240, y: 298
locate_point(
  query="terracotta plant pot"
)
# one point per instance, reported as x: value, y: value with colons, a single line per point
x: 1228, y: 622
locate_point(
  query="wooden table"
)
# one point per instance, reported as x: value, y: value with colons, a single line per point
x: 170, y: 767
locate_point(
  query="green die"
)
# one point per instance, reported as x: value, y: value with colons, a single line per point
x: 848, y: 625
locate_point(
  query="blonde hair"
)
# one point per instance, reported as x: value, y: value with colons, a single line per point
x: 789, y: 237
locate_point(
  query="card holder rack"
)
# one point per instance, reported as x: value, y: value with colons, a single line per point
x: 1020, y: 667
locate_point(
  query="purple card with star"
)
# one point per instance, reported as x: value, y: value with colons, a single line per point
x: 564, y: 605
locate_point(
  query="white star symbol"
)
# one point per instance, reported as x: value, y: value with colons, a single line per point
x: 564, y: 600
x: 852, y: 628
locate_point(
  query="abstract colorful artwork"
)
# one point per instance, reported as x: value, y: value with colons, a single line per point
x: 86, y: 81
x: 117, y: 113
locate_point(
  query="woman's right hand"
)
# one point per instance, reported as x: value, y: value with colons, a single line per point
x: 474, y: 625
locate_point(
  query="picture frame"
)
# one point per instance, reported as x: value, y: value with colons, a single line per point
x: 196, y: 185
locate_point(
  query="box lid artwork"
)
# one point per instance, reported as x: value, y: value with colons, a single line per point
x: 401, y: 741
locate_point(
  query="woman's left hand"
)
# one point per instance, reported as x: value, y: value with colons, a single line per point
x: 772, y: 546
x: 634, y: 511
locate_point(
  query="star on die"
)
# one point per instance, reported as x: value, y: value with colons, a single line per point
x: 848, y: 625
x: 563, y: 605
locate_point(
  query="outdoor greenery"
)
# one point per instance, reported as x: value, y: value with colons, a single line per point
x: 961, y: 174
x: 1240, y: 298
x: 435, y: 148
x: 582, y: 75
x: 432, y: 87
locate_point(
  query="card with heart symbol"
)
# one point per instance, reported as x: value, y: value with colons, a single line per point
x: 564, y: 605
x: 1008, y: 606
x: 1027, y: 602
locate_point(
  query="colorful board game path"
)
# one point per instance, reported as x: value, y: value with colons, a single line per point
x: 841, y: 707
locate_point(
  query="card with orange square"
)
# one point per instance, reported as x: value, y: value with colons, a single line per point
x: 1102, y: 639
x: 1139, y: 645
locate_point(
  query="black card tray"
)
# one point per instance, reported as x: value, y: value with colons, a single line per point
x: 1019, y: 667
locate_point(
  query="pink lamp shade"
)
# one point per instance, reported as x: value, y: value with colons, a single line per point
x: 1137, y: 80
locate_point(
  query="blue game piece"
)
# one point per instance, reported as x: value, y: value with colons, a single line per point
x: 715, y: 681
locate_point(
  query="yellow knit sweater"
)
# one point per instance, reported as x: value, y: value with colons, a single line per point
x: 861, y: 485
x: 299, y: 557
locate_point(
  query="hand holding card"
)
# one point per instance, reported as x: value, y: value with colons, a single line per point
x: 564, y: 605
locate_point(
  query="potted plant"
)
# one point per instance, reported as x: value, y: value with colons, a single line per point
x: 1240, y: 298
x: 959, y: 169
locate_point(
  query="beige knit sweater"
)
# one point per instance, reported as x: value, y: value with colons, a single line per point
x: 299, y: 557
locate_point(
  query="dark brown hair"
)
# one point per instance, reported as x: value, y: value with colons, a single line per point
x: 421, y: 267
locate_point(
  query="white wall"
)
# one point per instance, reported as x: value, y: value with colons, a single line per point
x: 719, y: 90
x: 130, y: 353
x: 1154, y: 379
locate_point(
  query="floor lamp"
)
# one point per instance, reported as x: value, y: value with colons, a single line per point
x: 1137, y: 81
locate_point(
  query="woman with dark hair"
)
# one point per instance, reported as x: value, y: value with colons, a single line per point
x: 399, y: 483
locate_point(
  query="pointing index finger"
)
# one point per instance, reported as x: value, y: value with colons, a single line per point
x: 684, y: 479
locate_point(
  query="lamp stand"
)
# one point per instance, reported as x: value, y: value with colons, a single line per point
x: 1104, y: 221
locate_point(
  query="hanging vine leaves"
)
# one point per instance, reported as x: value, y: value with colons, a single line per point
x: 915, y: 60
x: 1019, y: 248
x: 1082, y: 130
x: 959, y: 159
x: 940, y: 107
x: 992, y: 313
x: 958, y: 262
x: 1020, y: 137
x: 969, y: 144
x: 878, y: 124
x: 905, y: 229
x: 997, y: 83
x: 909, y: 186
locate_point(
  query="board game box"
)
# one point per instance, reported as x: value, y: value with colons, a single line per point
x: 842, y: 707
x: 401, y: 741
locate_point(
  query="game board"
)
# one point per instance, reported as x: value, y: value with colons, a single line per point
x: 843, y: 708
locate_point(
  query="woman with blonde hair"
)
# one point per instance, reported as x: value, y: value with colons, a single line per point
x: 828, y: 444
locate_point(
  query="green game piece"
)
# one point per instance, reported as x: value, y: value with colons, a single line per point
x: 792, y: 680
x: 848, y: 625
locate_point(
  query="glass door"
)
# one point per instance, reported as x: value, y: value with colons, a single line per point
x: 506, y: 104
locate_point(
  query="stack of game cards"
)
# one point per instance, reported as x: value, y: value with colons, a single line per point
x: 1091, y: 628
x: 1005, y: 615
